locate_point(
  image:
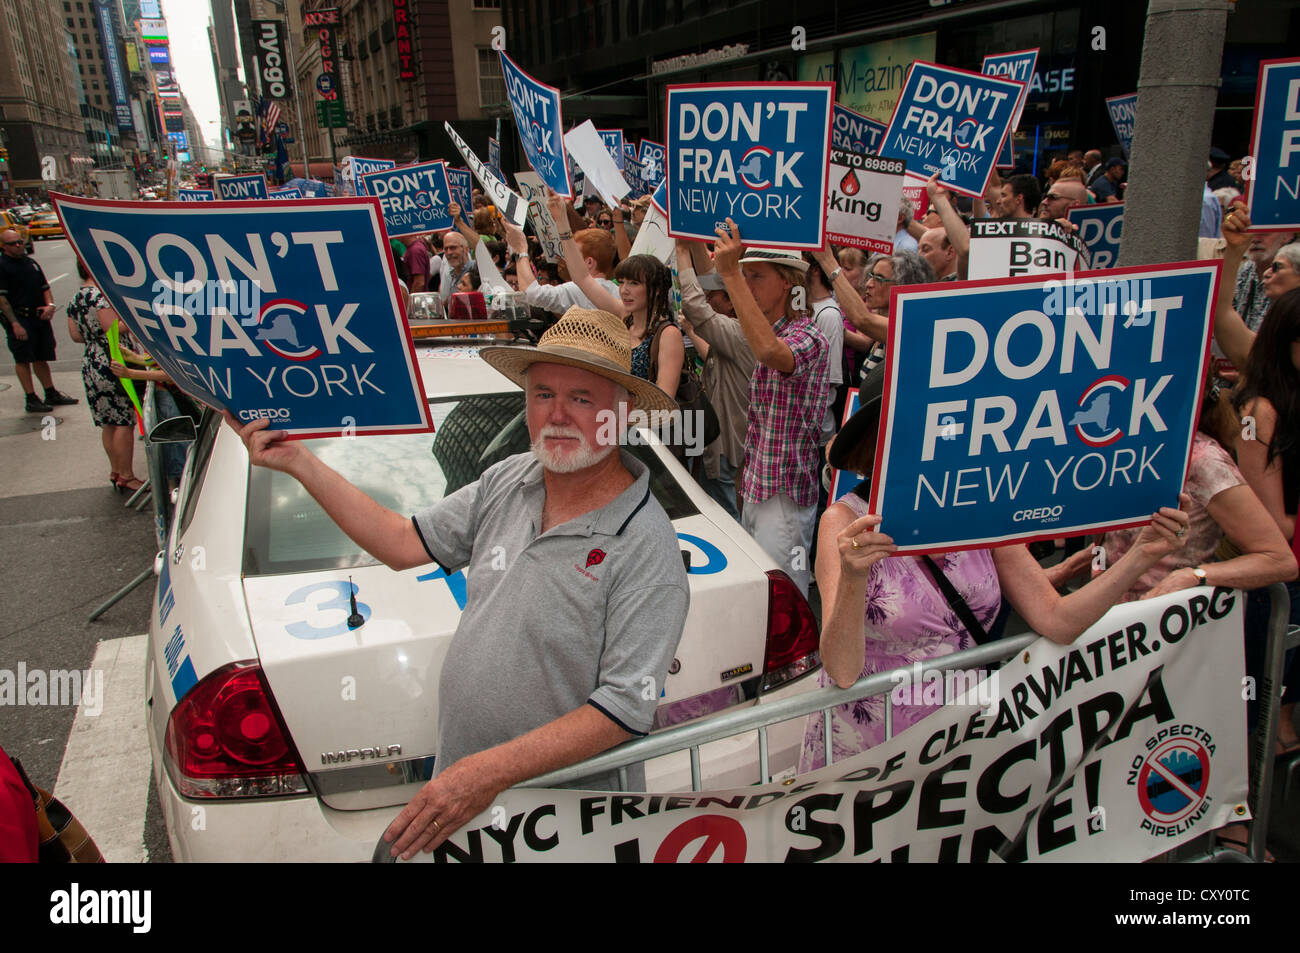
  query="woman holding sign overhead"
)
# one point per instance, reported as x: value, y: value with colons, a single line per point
x: 882, y: 612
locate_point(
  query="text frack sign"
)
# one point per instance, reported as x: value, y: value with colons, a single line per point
x: 951, y: 121
x: 1275, y: 187
x: 753, y: 152
x: 1009, y: 248
x: 1038, y: 408
x: 536, y: 108
x: 280, y: 310
x: 414, y: 198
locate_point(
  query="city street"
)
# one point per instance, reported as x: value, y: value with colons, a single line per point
x: 69, y: 543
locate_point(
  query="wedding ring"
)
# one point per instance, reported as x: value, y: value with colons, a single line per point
x: 855, y: 544
x: 437, y: 828
x: 1181, y: 533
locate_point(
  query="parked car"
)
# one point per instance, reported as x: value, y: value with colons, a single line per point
x: 295, y: 737
x: 45, y: 225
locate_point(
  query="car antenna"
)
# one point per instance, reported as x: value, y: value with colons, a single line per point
x: 356, y: 620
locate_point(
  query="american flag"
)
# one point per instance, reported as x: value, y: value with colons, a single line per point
x: 270, y: 119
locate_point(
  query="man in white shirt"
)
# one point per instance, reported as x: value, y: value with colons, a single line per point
x: 597, y: 247
x: 451, y: 264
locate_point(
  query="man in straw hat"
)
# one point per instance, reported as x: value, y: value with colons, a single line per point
x: 561, y: 653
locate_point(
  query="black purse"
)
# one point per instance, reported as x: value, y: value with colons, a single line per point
x: 957, y: 603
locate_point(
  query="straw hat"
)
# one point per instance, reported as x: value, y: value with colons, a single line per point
x: 790, y: 259
x: 585, y: 338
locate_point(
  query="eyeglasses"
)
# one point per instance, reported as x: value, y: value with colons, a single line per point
x: 18, y: 242
x: 872, y: 276
x: 1276, y: 265
x: 1053, y: 197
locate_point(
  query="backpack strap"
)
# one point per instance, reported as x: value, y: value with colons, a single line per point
x: 956, y: 602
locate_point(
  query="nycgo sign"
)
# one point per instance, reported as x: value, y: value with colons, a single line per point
x: 271, y: 65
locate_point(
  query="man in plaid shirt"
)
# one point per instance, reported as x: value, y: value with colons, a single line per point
x: 787, y: 399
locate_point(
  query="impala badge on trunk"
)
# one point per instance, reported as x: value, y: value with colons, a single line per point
x: 360, y: 754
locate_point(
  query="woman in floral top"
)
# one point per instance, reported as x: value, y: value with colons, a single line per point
x: 89, y: 318
x: 881, y: 613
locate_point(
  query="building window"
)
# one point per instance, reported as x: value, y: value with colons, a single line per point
x: 487, y: 4
x: 491, y: 85
x: 70, y: 23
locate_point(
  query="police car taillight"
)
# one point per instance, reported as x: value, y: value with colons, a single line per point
x: 792, y: 634
x: 226, y: 738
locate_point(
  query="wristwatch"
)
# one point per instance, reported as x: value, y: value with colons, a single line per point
x: 834, y: 274
x: 1199, y: 573
x: 520, y: 254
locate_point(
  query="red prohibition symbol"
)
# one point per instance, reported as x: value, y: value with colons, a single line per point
x: 718, y: 832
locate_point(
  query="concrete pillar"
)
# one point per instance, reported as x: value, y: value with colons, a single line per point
x: 1181, y: 57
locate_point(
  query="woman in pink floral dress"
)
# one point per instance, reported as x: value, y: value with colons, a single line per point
x: 882, y: 612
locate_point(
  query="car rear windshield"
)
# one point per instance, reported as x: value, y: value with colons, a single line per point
x: 286, y: 531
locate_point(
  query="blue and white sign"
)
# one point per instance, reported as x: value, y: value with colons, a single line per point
x: 951, y: 121
x: 461, y: 183
x: 287, y: 311
x: 630, y: 149
x: 854, y: 132
x: 659, y: 198
x: 232, y: 188
x: 356, y: 168
x: 1017, y: 65
x: 414, y: 198
x: 1035, y: 408
x: 1274, y: 194
x: 1100, y: 230
x: 288, y: 192
x: 1123, y: 117
x: 196, y: 195
x: 541, y: 129
x: 494, y: 155
x: 613, y: 139
x: 653, y: 162
x: 753, y: 152
x: 312, y: 188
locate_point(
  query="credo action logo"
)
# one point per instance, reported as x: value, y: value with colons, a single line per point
x: 1173, y: 779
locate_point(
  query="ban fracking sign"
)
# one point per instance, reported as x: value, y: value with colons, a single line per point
x: 854, y: 132
x: 1274, y: 195
x: 951, y: 121
x: 1017, y: 65
x: 1100, y: 230
x: 1008, y: 248
x: 231, y: 188
x: 1032, y: 408
x: 286, y: 311
x: 414, y: 198
x: 1123, y: 117
x: 753, y: 152
x: 865, y: 191
x: 536, y: 107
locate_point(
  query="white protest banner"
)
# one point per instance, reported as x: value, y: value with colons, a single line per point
x: 414, y: 198
x: 1051, y: 407
x: 1007, y: 248
x: 488, y: 273
x: 533, y: 189
x: 1118, y: 748
x: 652, y: 238
x: 1274, y: 191
x: 536, y: 109
x: 864, y: 195
x: 283, y: 311
x: 951, y: 121
x: 510, y: 205
x: 232, y: 188
x: 753, y: 152
x: 588, y: 150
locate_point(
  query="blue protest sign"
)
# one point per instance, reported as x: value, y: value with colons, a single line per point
x: 753, y: 152
x: 462, y: 184
x: 289, y: 192
x: 1123, y: 116
x: 854, y: 132
x: 414, y: 198
x: 311, y: 188
x: 494, y: 155
x: 231, y: 188
x: 630, y: 150
x: 1100, y: 229
x: 1017, y: 65
x: 843, y: 481
x: 613, y: 139
x: 196, y: 195
x: 536, y: 107
x: 287, y: 311
x: 356, y: 168
x: 952, y: 121
x: 1035, y: 408
x: 659, y: 197
x: 634, y: 173
x: 652, y: 162
x: 1274, y: 192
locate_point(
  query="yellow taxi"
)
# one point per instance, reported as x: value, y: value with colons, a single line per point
x: 45, y: 225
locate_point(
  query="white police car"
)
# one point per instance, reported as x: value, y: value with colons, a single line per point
x: 283, y: 730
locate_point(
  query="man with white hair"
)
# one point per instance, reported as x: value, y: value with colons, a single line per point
x: 562, y: 651
x: 903, y: 240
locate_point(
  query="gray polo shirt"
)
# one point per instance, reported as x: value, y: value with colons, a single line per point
x: 588, y: 613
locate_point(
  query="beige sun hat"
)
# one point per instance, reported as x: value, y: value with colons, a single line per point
x: 589, y: 339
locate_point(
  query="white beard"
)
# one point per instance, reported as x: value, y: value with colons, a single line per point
x: 567, y: 461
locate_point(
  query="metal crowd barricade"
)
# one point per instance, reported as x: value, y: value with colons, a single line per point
x: 690, y: 737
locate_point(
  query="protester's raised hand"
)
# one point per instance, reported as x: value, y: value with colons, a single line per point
x: 1235, y: 224
x: 516, y: 238
x: 728, y: 249
x: 932, y: 187
x: 453, y: 209
x: 557, y: 205
x: 861, y: 547
x: 268, y: 448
